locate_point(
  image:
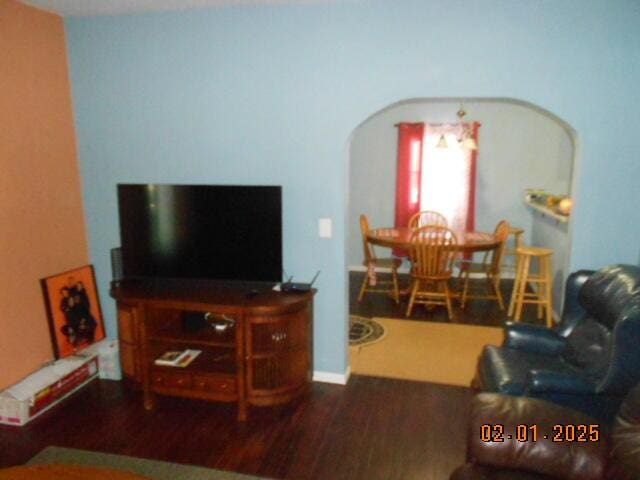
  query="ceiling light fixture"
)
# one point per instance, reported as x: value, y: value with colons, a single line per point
x: 442, y: 142
x: 466, y: 138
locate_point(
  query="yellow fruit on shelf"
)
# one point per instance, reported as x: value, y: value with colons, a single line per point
x: 564, y: 206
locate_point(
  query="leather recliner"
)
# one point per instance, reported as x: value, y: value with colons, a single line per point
x: 567, y: 444
x: 589, y: 361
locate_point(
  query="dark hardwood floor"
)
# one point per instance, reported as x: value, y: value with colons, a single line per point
x: 373, y: 428
x: 476, y: 312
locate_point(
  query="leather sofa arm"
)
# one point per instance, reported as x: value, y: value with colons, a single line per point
x: 622, y: 373
x: 572, y: 311
x: 533, y: 338
x: 502, y: 416
x: 545, y: 381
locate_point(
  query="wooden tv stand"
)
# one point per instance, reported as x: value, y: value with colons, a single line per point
x: 263, y: 357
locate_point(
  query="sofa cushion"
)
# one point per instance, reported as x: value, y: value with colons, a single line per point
x: 588, y: 348
x: 542, y: 453
x: 625, y: 439
x: 506, y: 370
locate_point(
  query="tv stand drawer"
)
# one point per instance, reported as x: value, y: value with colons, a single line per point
x: 170, y: 379
x: 205, y: 383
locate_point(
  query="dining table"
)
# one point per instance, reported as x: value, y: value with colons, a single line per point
x: 400, y: 237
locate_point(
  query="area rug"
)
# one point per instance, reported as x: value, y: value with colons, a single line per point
x: 425, y: 351
x: 364, y: 331
x: 152, y: 469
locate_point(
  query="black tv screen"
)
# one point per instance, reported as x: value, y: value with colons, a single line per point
x: 214, y: 232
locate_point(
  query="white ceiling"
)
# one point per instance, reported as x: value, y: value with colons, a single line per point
x: 72, y: 8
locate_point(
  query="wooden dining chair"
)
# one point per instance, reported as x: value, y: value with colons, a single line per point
x: 427, y: 217
x: 490, y: 269
x: 433, y: 250
x: 371, y: 281
x: 518, y: 241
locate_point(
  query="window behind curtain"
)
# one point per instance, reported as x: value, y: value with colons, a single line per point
x: 446, y: 177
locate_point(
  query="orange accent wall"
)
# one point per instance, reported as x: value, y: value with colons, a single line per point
x: 42, y: 227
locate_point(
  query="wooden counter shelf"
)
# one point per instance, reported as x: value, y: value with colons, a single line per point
x: 264, y: 357
x: 547, y: 211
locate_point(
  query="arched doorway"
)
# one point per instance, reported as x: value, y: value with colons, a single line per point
x: 521, y: 146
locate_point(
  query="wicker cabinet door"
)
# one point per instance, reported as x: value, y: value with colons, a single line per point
x: 128, y: 333
x: 278, y: 353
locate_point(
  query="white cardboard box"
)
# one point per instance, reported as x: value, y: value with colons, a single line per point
x: 37, y: 393
x: 108, y: 353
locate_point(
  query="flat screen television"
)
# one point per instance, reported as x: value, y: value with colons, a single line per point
x: 217, y: 232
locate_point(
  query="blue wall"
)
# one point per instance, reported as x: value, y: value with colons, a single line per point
x: 270, y: 95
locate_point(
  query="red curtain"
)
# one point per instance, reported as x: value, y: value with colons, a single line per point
x: 410, y: 139
x: 471, y: 213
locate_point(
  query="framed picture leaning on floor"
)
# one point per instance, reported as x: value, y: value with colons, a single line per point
x: 73, y: 310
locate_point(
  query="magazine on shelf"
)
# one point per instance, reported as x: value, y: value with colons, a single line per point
x: 177, y: 358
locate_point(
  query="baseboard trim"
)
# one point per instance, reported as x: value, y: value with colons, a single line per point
x: 361, y: 268
x: 331, y: 377
x: 357, y: 268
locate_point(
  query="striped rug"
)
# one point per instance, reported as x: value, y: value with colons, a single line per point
x: 152, y: 469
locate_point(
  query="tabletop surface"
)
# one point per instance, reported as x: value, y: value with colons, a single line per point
x: 401, y: 237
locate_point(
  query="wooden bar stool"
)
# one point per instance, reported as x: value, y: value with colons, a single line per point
x: 518, y: 241
x: 543, y: 279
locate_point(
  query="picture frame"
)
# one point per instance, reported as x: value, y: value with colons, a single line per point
x: 73, y: 310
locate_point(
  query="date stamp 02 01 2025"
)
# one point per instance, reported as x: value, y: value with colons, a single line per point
x: 532, y: 433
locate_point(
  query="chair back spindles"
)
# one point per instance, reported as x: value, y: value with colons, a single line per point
x: 490, y: 269
x: 371, y: 283
x: 432, y: 250
x: 502, y: 234
x: 427, y: 217
x: 369, y: 254
x: 518, y: 241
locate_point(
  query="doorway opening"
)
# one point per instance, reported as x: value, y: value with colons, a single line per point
x: 520, y: 147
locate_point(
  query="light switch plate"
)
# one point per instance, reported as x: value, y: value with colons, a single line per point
x: 324, y: 228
